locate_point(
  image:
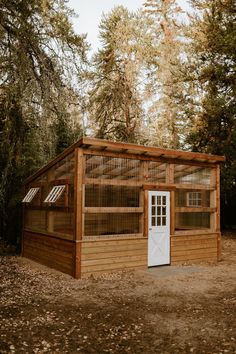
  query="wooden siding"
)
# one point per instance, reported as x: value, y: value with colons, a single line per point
x: 112, y: 255
x: 194, y: 248
x: 50, y: 251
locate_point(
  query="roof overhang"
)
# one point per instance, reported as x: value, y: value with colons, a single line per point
x: 99, y: 145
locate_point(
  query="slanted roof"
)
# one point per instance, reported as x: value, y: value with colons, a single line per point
x: 99, y: 145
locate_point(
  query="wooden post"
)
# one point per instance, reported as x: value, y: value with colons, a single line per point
x: 78, y: 209
x: 172, y: 212
x: 218, y: 213
x: 146, y: 213
x: 170, y: 173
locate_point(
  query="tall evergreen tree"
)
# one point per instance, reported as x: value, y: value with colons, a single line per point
x: 166, y: 115
x: 211, y: 70
x: 38, y: 54
x: 116, y: 105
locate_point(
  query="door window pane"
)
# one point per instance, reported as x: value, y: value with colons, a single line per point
x: 158, y: 221
x: 164, y: 221
x: 158, y: 200
x: 153, y: 221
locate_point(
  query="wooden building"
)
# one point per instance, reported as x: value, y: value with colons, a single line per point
x: 102, y: 206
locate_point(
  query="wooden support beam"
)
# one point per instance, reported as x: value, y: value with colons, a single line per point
x: 95, y: 210
x: 172, y: 212
x: 78, y: 208
x: 217, y: 179
x: 195, y: 210
x: 148, y: 158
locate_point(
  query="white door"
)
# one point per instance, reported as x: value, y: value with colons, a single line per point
x: 159, y: 228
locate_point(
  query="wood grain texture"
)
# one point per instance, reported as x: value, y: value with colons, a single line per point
x: 193, y: 248
x: 50, y: 251
x: 113, y: 255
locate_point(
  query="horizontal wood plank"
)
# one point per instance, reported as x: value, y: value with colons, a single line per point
x: 113, y: 255
x: 50, y: 251
x: 112, y: 210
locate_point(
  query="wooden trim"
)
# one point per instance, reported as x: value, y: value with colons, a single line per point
x: 143, y: 183
x: 193, y: 232
x: 77, y: 260
x: 170, y: 168
x: 150, y: 149
x: 112, y: 210
x: 195, y: 210
x: 172, y: 212
x: 217, y: 226
x: 128, y: 237
x: 194, y: 187
x: 50, y: 234
x: 145, y: 213
x: 144, y: 157
x: 116, y: 182
x: 114, y: 237
x: 79, y: 170
x: 78, y: 200
x: 159, y: 187
x: 138, y: 152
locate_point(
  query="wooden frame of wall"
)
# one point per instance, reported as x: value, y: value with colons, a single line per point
x: 98, y: 254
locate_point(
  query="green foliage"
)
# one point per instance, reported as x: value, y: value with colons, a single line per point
x: 39, y: 54
x: 115, y: 98
x: 211, y: 68
x: 165, y: 111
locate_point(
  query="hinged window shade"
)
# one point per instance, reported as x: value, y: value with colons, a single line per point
x: 30, y: 195
x: 54, y: 194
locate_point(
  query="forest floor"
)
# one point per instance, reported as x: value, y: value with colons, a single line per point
x: 44, y: 311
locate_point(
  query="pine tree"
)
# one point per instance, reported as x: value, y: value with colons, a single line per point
x: 39, y: 52
x: 115, y: 104
x: 165, y: 112
x: 211, y: 70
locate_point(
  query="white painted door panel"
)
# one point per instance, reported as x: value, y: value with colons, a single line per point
x: 159, y: 228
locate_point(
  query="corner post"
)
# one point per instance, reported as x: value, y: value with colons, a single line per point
x: 218, y: 212
x: 78, y: 210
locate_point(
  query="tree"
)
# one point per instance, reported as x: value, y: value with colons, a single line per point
x: 166, y: 111
x: 211, y: 69
x: 39, y: 53
x: 115, y: 102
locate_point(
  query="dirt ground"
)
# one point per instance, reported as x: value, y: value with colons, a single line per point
x: 44, y: 311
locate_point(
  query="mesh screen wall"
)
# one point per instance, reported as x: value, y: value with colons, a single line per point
x: 186, y: 174
x: 106, y: 224
x: 111, y: 196
x: 192, y: 198
x: 57, y: 217
x: 192, y: 220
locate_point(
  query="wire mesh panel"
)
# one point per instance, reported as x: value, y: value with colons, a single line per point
x: 186, y: 174
x: 111, y: 196
x: 35, y: 220
x: 111, y: 224
x: 54, y: 210
x: 192, y: 220
x: 63, y: 223
x: 192, y: 198
x: 101, y: 167
x: 156, y: 172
